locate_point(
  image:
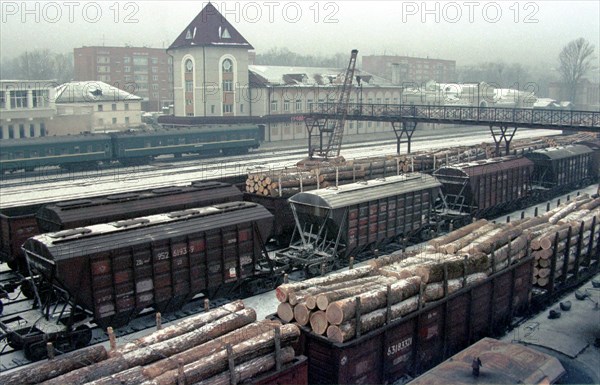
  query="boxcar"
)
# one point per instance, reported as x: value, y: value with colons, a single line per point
x: 117, y: 269
x: 16, y: 225
x: 334, y: 223
x: 595, y: 162
x: 559, y: 168
x: 86, y: 212
x: 283, y: 219
x: 424, y: 338
x: 30, y: 153
x: 486, y: 187
x: 139, y: 147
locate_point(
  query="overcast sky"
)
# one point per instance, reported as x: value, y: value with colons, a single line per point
x: 530, y: 32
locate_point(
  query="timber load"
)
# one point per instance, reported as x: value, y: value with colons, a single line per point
x: 343, y: 305
x: 285, y: 182
x: 223, y: 345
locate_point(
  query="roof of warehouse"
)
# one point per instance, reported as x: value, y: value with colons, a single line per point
x: 355, y: 193
x: 266, y: 75
x: 104, y: 237
x: 93, y: 91
x: 560, y: 152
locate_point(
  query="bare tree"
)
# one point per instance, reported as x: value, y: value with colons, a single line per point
x: 576, y: 59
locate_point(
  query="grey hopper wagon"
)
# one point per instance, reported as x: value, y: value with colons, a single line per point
x: 335, y: 223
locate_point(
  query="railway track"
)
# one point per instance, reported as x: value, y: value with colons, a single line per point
x: 31, y: 190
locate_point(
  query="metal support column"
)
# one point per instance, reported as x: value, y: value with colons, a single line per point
x: 408, y: 128
x: 500, y: 134
x: 311, y: 124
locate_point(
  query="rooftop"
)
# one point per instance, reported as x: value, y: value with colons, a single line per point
x: 91, y: 92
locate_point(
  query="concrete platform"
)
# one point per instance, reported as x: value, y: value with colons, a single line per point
x: 573, y: 338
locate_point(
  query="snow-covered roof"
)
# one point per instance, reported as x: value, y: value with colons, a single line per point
x: 309, y: 76
x: 91, y: 91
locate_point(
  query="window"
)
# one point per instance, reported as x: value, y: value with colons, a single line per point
x: 100, y: 108
x: 308, y: 103
x: 242, y: 107
x: 114, y: 120
x: 19, y: 99
x: 298, y: 105
x: 1, y: 133
x: 154, y: 60
x: 126, y: 60
x: 212, y: 109
x: 227, y: 108
x: 128, y: 78
x: 21, y: 130
x: 227, y: 85
x: 103, y: 69
x: 127, y: 69
x: 273, y: 105
x: 189, y: 86
x: 114, y: 106
x: 39, y: 98
x: 140, y: 61
x: 154, y: 69
x: 155, y: 87
x: 42, y: 129
x: 227, y: 65
x: 286, y: 105
x: 188, y: 102
x: 2, y: 99
x: 103, y: 59
x: 155, y: 95
x: 32, y: 130
x: 104, y: 78
x: 155, y: 78
x: 11, y: 132
x: 126, y: 106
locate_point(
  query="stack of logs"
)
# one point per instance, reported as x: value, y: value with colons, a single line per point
x: 220, y: 346
x: 359, y: 300
x: 288, y: 181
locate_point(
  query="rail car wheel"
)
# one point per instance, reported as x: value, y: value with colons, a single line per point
x: 427, y: 233
x: 81, y: 336
x: 35, y: 351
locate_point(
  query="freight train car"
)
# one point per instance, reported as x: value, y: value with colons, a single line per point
x: 334, y: 223
x: 19, y: 223
x: 486, y: 187
x: 558, y: 169
x: 113, y: 271
x: 86, y: 212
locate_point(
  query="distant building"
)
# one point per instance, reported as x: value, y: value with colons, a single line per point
x: 404, y: 70
x: 26, y: 108
x: 588, y: 95
x: 95, y: 106
x: 214, y: 83
x: 145, y: 72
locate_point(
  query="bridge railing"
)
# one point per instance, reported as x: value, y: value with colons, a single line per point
x: 484, y: 115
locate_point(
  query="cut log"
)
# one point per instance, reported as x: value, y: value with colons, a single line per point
x: 324, y: 299
x: 180, y: 328
x: 457, y: 266
x: 453, y: 247
x: 248, y: 370
x: 493, y: 239
x: 456, y: 234
x: 371, y: 321
x: 344, y: 310
x: 42, y: 371
x: 294, y: 297
x: 282, y: 291
x: 285, y: 312
x: 318, y: 322
x: 131, y: 376
x: 91, y: 372
x: 435, y: 291
x: 212, y: 365
x: 302, y: 314
x: 191, y: 355
x: 542, y: 281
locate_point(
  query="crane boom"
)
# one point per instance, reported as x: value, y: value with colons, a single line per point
x: 335, y: 127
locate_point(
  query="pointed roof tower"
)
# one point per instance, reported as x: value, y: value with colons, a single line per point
x: 210, y: 28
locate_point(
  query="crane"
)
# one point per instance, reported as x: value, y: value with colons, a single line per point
x: 331, y: 130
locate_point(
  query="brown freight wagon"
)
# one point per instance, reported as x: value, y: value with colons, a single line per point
x: 559, y: 168
x: 283, y: 219
x: 486, y: 187
x: 20, y: 223
x: 115, y: 270
x: 16, y: 225
x: 424, y: 338
x: 86, y: 212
